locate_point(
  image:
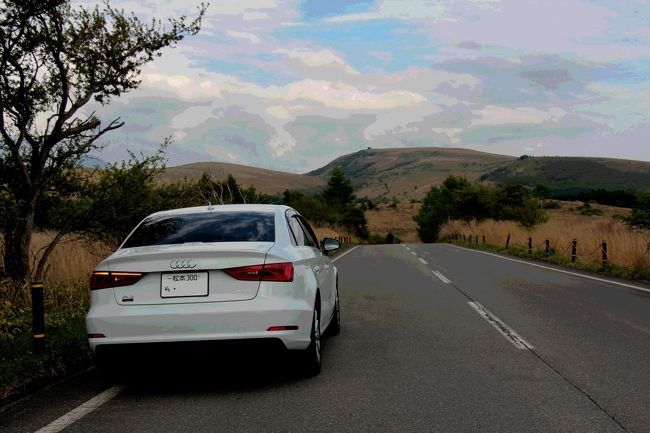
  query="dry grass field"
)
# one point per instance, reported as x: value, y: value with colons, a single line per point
x: 626, y: 247
x: 397, y: 220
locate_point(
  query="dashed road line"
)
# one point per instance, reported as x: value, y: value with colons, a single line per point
x: 504, y: 329
x: 441, y: 277
x: 424, y: 262
x: 82, y: 410
x: 414, y: 253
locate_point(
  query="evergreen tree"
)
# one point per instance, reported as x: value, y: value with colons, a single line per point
x: 339, y: 192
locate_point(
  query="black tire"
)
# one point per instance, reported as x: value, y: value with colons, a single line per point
x: 334, y: 327
x: 311, y: 356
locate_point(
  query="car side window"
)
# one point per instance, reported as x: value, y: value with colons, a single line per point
x: 296, y: 230
x: 310, y: 237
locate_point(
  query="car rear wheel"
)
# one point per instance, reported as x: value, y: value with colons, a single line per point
x: 335, y: 325
x: 311, y: 356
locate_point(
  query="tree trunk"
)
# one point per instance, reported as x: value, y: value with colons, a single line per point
x: 17, y: 242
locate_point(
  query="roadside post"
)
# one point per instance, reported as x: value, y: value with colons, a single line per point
x: 38, y: 317
x: 530, y: 245
x: 547, y: 245
x: 605, y: 255
x: 574, y: 250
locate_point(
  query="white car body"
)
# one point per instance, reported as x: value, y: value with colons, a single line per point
x: 231, y: 309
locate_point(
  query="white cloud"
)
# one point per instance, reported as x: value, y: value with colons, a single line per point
x: 254, y: 16
x: 316, y: 59
x: 498, y: 115
x: 453, y: 134
x: 176, y: 81
x: 244, y: 35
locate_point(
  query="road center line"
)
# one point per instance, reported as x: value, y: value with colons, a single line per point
x: 414, y: 253
x: 347, y: 252
x: 504, y: 329
x: 82, y: 410
x: 589, y: 277
x: 442, y: 277
x: 424, y: 262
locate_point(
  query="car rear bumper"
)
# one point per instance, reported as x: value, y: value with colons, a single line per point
x: 199, y: 322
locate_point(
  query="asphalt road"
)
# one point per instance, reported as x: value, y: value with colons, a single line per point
x: 485, y: 344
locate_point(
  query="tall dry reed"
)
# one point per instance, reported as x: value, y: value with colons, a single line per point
x: 626, y: 247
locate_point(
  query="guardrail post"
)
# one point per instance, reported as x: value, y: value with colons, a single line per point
x: 470, y: 239
x: 605, y: 255
x: 547, y: 245
x: 483, y: 239
x: 574, y: 250
x: 38, y: 317
x: 508, y: 241
x: 530, y: 245
x: 463, y: 237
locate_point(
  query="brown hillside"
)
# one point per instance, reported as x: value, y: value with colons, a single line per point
x: 407, y: 173
x: 266, y: 181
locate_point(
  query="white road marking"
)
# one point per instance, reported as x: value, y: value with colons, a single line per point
x: 442, y: 277
x: 504, y: 329
x: 589, y: 277
x: 347, y: 252
x: 414, y: 253
x: 424, y: 262
x: 82, y: 410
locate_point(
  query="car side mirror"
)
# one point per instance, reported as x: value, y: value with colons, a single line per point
x: 330, y: 244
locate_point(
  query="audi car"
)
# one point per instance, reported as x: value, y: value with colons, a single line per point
x: 216, y: 274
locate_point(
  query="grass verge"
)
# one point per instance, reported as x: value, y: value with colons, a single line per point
x: 635, y: 272
x: 66, y: 351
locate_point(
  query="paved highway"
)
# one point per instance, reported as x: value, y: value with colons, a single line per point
x: 435, y: 338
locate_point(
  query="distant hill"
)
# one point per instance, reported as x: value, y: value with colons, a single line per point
x: 407, y: 173
x: 571, y: 174
x: 265, y: 181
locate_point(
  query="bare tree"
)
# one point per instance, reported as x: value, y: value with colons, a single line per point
x: 55, y: 59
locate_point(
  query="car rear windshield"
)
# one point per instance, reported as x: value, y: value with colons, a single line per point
x: 204, y: 227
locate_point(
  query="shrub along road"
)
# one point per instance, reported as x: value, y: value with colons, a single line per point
x: 435, y: 338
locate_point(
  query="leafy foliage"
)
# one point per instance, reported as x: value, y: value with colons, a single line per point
x: 640, y: 215
x: 54, y: 60
x: 339, y: 192
x: 459, y: 199
x: 336, y: 206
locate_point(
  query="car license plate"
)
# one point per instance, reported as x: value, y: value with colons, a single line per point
x: 175, y: 285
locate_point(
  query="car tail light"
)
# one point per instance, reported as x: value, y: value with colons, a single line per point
x: 283, y: 328
x: 107, y: 280
x: 98, y: 335
x: 268, y: 272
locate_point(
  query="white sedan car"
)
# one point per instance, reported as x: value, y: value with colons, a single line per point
x: 231, y: 273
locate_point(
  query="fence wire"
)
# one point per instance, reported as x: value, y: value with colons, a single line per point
x: 565, y: 252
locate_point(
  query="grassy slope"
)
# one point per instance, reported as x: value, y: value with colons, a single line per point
x: 266, y: 181
x: 407, y: 173
x: 567, y: 173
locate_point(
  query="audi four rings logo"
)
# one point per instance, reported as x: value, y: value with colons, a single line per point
x: 182, y: 264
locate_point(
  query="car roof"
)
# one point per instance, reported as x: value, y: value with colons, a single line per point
x: 266, y: 208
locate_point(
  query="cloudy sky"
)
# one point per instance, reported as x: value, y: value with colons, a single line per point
x: 291, y: 85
